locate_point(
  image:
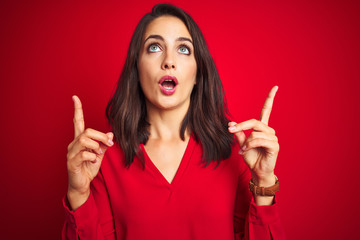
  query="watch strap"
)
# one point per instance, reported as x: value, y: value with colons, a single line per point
x: 264, y: 191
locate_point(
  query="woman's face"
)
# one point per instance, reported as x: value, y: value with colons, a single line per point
x: 167, y: 66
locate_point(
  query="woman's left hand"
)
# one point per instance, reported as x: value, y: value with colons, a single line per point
x: 261, y: 148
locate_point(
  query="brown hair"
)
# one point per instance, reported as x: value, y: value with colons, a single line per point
x: 206, y: 118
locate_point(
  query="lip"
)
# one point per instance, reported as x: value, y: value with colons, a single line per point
x: 168, y: 91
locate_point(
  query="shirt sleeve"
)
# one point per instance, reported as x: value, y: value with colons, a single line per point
x: 252, y: 222
x: 93, y: 219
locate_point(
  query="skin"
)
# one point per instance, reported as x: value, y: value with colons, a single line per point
x: 165, y: 114
x: 167, y: 50
x: 85, y: 154
x: 260, y: 149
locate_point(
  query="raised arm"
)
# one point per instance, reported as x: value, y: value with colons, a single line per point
x: 260, y: 149
x: 87, y: 206
x: 84, y: 157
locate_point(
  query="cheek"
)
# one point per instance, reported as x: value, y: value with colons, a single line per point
x: 192, y: 70
x: 143, y: 64
x: 141, y: 67
x: 143, y: 70
x: 142, y: 75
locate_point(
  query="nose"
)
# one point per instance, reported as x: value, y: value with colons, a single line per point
x: 168, y: 62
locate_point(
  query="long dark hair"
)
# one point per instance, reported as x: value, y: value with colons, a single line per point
x: 206, y: 118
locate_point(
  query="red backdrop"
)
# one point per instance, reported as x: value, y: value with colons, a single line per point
x: 52, y: 50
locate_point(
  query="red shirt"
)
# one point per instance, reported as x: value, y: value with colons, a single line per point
x: 201, y: 202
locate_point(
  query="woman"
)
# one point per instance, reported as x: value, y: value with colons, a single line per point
x: 175, y: 171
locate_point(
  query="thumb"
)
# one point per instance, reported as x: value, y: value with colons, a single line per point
x: 241, y: 138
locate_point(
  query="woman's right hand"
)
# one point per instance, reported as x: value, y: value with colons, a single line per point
x: 84, y: 157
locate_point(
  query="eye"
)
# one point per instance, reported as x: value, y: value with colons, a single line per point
x: 184, y: 50
x: 154, y: 48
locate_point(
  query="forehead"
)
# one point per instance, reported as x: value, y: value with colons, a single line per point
x: 167, y: 27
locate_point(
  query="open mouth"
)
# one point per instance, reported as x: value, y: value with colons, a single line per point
x: 168, y: 84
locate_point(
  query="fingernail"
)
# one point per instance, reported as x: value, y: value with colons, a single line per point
x: 100, y: 151
x: 243, y: 148
x: 232, y: 128
x: 241, y: 152
x: 110, y: 142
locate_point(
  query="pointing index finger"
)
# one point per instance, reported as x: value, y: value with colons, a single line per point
x: 266, y: 110
x: 79, y: 124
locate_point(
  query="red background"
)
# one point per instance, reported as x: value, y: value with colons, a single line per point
x: 50, y: 50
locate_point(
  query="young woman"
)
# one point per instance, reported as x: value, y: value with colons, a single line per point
x: 175, y: 170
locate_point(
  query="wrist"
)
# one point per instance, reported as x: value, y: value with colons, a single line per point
x: 264, y: 191
x: 267, y: 180
x: 76, y: 198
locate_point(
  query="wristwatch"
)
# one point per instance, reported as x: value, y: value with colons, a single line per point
x: 264, y: 191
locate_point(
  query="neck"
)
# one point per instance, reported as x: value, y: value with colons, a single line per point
x: 166, y: 124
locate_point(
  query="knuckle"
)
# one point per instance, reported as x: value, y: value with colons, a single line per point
x: 78, y: 118
x: 68, y: 165
x: 272, y: 130
x: 252, y: 136
x: 258, y: 141
x: 83, y: 154
x: 104, y: 137
x: 70, y: 157
x: 276, y: 147
x: 256, y: 134
x: 90, y: 131
x: 82, y: 140
x: 258, y: 124
x: 69, y: 147
x: 249, y: 143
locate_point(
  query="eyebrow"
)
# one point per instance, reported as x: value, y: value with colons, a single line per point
x: 179, y: 39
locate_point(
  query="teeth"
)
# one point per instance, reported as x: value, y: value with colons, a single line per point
x: 168, y: 84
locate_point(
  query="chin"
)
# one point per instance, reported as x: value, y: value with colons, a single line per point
x: 169, y: 104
